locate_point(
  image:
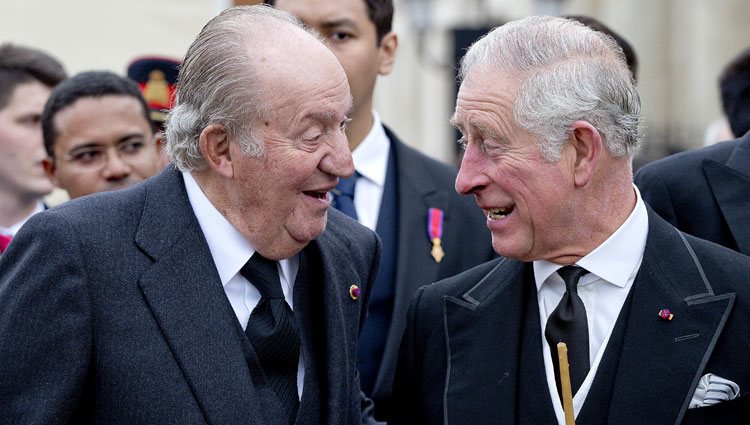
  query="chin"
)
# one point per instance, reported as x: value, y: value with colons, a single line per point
x: 40, y: 190
x: 315, y: 231
x: 309, y: 232
x: 505, y: 249
x: 291, y: 245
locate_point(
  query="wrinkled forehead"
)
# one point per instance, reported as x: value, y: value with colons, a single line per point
x: 487, y: 85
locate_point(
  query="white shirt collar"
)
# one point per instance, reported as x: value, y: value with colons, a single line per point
x: 13, y: 229
x: 617, y: 257
x: 371, y: 155
x: 229, y: 249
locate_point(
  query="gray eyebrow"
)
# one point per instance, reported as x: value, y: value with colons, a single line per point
x: 454, y: 122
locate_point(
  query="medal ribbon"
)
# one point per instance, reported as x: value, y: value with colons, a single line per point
x: 435, y: 223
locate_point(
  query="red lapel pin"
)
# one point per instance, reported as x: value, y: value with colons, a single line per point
x: 666, y: 314
x: 354, y: 292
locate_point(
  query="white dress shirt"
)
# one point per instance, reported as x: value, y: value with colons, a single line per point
x: 371, y: 162
x: 612, y: 267
x: 12, y: 230
x: 230, y: 251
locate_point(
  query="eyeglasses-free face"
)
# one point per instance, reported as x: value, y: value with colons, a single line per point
x: 21, y: 147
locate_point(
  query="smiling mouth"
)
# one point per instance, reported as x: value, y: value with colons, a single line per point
x: 316, y: 194
x: 499, y: 213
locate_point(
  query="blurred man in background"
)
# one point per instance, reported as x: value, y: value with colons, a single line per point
x: 705, y: 192
x: 27, y: 77
x: 734, y: 85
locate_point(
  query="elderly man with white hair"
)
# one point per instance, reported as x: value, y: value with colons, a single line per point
x: 222, y: 291
x: 655, y: 321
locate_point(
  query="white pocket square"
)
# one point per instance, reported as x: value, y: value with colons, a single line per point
x: 712, y: 390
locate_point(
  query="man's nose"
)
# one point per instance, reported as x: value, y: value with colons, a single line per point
x: 115, y: 168
x: 470, y: 175
x: 339, y: 160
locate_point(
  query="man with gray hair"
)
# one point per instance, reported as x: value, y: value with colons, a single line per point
x: 221, y: 291
x: 655, y: 321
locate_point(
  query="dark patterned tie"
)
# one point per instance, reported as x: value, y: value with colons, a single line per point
x: 568, y: 324
x: 273, y: 332
x: 344, y: 195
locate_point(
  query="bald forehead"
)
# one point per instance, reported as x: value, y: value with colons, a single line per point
x: 291, y: 49
x: 257, y: 27
x: 282, y: 40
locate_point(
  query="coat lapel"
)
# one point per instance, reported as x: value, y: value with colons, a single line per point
x: 340, y: 316
x: 482, y: 330
x: 534, y: 398
x: 184, y: 292
x: 413, y: 264
x: 662, y: 360
x: 730, y: 184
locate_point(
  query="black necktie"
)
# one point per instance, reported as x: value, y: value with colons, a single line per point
x: 273, y: 332
x: 344, y: 192
x: 568, y: 324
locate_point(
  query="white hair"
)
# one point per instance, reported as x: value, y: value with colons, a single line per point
x: 568, y: 72
x: 218, y: 84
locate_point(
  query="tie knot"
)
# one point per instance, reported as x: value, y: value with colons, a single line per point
x: 264, y: 275
x: 346, y: 185
x: 571, y: 275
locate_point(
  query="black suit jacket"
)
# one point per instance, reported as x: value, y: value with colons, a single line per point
x: 704, y: 192
x: 425, y: 183
x: 460, y: 357
x: 112, y: 312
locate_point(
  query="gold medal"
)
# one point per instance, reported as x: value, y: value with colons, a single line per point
x: 435, y: 232
x: 437, y: 250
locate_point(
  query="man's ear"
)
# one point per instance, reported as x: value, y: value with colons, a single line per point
x: 160, y: 142
x: 50, y: 169
x: 587, y: 144
x: 387, y: 53
x: 214, y: 145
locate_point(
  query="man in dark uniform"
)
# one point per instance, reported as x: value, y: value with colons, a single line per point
x: 705, y: 192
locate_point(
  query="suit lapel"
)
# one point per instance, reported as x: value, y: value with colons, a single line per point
x: 185, y: 295
x: 413, y: 264
x: 730, y: 184
x: 340, y: 315
x: 534, y: 399
x: 482, y: 330
x: 662, y: 360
